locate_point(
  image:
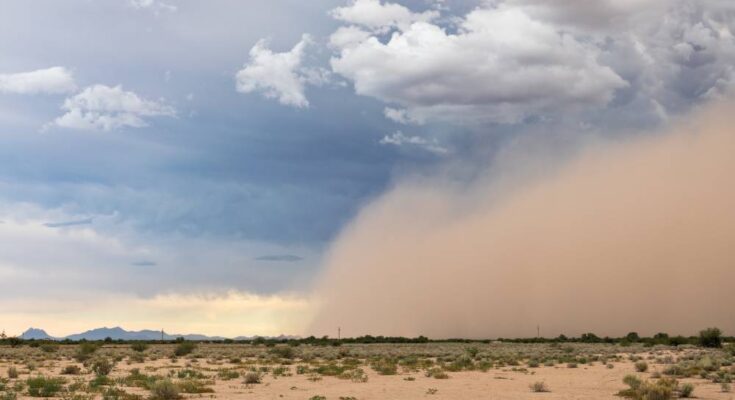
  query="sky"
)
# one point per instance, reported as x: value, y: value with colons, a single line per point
x: 196, y: 166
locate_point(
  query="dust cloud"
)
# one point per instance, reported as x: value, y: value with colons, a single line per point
x: 634, y: 236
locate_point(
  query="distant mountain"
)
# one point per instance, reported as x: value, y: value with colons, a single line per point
x: 118, y: 333
x: 37, y: 334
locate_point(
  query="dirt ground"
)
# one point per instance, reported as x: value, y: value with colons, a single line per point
x: 598, y: 374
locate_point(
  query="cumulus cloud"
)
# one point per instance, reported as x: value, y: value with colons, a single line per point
x: 106, y: 108
x: 401, y: 139
x: 52, y: 80
x: 508, y: 60
x: 279, y: 76
x: 379, y: 16
x: 501, y: 65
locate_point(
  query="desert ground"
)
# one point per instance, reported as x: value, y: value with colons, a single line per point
x: 359, y: 371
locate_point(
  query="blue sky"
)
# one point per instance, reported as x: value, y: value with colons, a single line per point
x: 155, y: 148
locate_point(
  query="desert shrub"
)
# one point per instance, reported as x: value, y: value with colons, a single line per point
x: 49, y: 347
x: 194, y: 386
x: 113, y: 393
x: 85, y: 351
x: 41, y: 386
x: 641, y: 366
x: 572, y: 365
x: 139, y: 346
x: 355, y: 375
x: 436, y: 373
x: 472, y: 351
x: 280, y: 371
x: 164, y: 389
x: 100, y: 381
x: 9, y: 396
x: 228, y: 374
x: 725, y: 387
x: 71, y: 370
x: 710, y: 337
x: 189, y: 373
x: 184, y: 348
x: 384, y: 367
x: 283, y: 351
x: 686, y: 390
x: 252, y: 378
x: 662, y: 389
x: 12, y: 372
x: 317, y: 398
x: 330, y: 369
x: 102, y: 366
x: 539, y: 387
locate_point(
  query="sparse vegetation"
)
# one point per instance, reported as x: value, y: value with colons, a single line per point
x: 539, y: 387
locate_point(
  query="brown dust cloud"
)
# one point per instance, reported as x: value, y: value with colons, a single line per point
x: 632, y: 236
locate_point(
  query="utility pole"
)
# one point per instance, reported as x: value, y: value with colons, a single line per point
x: 339, y: 333
x: 538, y: 331
x: 162, y: 334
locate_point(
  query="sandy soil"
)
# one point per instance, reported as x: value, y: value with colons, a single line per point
x: 595, y: 381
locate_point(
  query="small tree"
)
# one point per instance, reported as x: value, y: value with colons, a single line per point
x: 632, y: 337
x: 710, y: 337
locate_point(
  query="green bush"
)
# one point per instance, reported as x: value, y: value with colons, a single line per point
x: 184, y: 348
x: 102, y: 366
x: 662, y: 389
x: 686, y: 390
x: 164, y: 389
x: 641, y: 366
x: 710, y: 337
x: 41, y: 386
x: 139, y: 346
x: 12, y: 372
x: 85, y: 351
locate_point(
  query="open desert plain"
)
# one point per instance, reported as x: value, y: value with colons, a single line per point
x: 363, y: 371
x: 367, y: 199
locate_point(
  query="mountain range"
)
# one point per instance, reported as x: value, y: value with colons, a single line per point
x: 118, y: 333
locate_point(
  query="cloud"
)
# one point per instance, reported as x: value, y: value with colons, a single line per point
x: 154, y: 5
x: 52, y: 80
x: 279, y: 257
x: 106, y: 108
x: 501, y: 65
x: 626, y: 236
x: 87, y: 221
x: 508, y: 61
x: 72, y: 269
x: 400, y: 139
x: 277, y: 75
x: 379, y: 16
x: 144, y: 263
x: 401, y: 116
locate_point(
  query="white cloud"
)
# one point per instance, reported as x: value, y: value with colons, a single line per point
x: 277, y: 75
x: 379, y: 16
x: 401, y: 116
x: 400, y: 139
x: 106, y: 108
x: 154, y: 5
x: 52, y: 80
x: 501, y: 65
